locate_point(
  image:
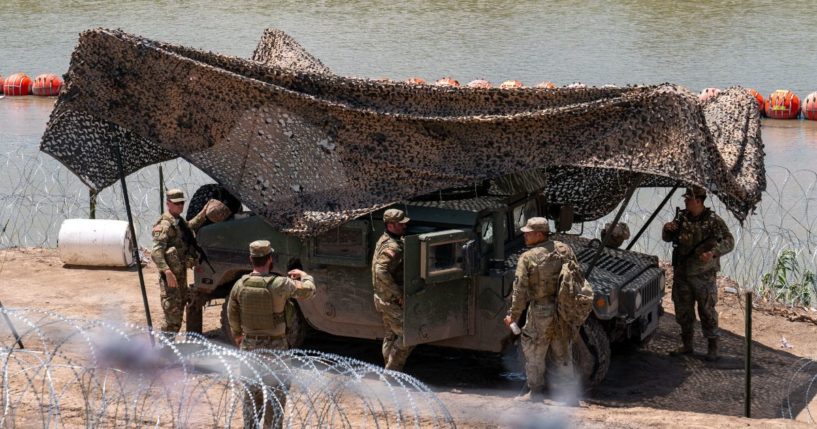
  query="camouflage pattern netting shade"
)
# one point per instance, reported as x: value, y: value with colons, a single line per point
x: 308, y: 149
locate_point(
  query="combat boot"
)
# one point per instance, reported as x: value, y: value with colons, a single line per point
x: 712, y: 350
x: 686, y: 347
x: 531, y: 395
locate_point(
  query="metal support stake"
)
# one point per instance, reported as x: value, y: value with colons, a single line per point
x: 652, y: 217
x: 11, y: 326
x: 161, y: 191
x: 747, y: 404
x: 92, y: 203
x: 118, y: 153
x: 609, y: 230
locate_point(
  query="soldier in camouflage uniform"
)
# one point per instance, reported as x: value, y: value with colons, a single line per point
x: 256, y: 314
x: 700, y: 238
x: 172, y: 255
x: 387, y: 280
x: 542, y: 274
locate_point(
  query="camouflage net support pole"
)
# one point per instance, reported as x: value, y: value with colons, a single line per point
x: 161, y: 191
x: 91, y: 203
x: 118, y: 154
x: 747, y: 405
x: 652, y: 217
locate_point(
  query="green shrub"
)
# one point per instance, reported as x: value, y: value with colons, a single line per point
x: 787, y: 283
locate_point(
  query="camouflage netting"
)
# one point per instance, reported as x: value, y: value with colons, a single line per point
x: 309, y: 149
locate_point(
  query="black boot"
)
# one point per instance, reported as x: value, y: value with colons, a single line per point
x: 686, y: 347
x: 712, y: 350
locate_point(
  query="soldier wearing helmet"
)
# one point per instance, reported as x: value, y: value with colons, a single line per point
x: 700, y: 238
x: 387, y: 281
x: 549, y: 278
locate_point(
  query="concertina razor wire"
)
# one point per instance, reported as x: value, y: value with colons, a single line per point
x: 76, y: 372
x: 37, y: 193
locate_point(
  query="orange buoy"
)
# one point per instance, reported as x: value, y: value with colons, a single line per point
x: 810, y: 107
x: 759, y: 98
x: 511, y: 84
x: 416, y: 81
x: 782, y: 104
x: 546, y: 84
x: 17, y: 84
x: 447, y: 81
x: 46, y: 85
x: 708, y: 93
x: 480, y: 83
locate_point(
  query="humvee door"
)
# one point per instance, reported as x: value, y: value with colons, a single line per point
x: 437, y: 270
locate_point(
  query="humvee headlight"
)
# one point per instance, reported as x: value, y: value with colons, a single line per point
x: 637, y: 300
x: 600, y: 303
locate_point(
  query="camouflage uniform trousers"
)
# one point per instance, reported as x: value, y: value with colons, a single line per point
x: 257, y: 412
x: 701, y: 289
x: 537, y: 344
x: 174, y: 300
x: 394, y: 353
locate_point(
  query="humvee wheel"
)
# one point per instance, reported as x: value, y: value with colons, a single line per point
x: 295, y: 333
x: 591, y: 355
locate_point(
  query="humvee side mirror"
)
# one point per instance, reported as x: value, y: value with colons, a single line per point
x: 565, y: 220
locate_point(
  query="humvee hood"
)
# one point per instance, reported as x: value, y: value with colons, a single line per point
x: 309, y: 150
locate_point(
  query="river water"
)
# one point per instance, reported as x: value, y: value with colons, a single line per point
x: 762, y: 44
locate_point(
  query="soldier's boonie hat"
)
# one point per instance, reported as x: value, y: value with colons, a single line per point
x: 536, y: 224
x: 695, y: 192
x: 395, y: 215
x: 175, y: 195
x: 260, y: 248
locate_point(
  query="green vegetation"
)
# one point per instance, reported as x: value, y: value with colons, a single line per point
x: 788, y: 283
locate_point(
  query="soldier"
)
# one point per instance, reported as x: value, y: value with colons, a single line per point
x: 700, y: 238
x: 173, y: 254
x: 545, y: 277
x: 256, y: 314
x: 387, y: 280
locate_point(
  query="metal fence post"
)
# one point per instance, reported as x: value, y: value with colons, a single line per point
x: 747, y: 406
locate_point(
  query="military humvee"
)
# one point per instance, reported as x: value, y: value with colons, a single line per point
x: 459, y: 263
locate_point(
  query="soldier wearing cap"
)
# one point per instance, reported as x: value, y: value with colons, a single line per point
x: 549, y: 278
x: 387, y: 280
x: 256, y: 314
x: 173, y: 254
x: 700, y: 238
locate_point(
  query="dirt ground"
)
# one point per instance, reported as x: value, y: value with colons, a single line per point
x: 644, y: 388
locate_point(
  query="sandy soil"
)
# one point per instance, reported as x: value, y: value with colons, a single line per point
x: 645, y: 388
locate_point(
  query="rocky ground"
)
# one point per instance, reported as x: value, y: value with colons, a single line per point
x: 645, y: 387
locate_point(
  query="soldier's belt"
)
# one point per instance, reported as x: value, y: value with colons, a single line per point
x: 544, y: 305
x: 265, y: 337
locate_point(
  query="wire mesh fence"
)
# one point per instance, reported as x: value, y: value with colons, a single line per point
x: 774, y: 251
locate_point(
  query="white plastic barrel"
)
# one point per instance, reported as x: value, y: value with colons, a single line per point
x: 97, y: 242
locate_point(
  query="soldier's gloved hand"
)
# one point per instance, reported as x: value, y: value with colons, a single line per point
x: 671, y: 226
x: 507, y: 320
x: 296, y: 274
x: 238, y: 339
x: 706, y: 256
x: 170, y: 279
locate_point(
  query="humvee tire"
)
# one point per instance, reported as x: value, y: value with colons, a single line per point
x: 215, y: 192
x: 296, y: 332
x: 591, y: 355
